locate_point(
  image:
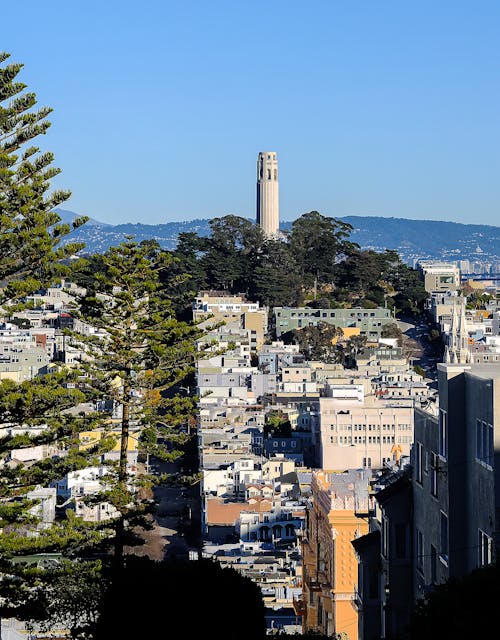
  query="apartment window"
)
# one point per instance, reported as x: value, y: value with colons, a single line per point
x: 420, y: 551
x: 484, y: 442
x: 433, y: 564
x: 443, y: 551
x: 400, y: 535
x: 418, y: 462
x: 443, y: 433
x: 484, y: 548
x: 385, y: 537
x: 434, y: 473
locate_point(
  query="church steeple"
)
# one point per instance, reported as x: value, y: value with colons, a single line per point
x: 457, y: 346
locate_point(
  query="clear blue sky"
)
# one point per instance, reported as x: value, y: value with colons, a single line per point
x: 375, y: 107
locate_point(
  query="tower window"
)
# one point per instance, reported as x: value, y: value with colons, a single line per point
x: 269, y: 174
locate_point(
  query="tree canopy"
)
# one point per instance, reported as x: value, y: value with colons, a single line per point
x: 315, y: 263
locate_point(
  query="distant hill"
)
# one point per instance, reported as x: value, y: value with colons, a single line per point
x: 69, y: 216
x: 411, y: 238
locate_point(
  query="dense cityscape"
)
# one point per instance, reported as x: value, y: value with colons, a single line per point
x: 242, y: 426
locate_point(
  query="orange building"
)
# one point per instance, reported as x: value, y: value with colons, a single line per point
x: 339, y: 514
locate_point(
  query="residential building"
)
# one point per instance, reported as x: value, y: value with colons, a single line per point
x: 370, y: 322
x: 439, y: 276
x: 338, y: 515
x: 361, y: 432
x: 396, y: 546
x: 233, y: 310
x: 456, y: 472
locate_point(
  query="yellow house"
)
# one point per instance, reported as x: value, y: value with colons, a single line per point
x: 348, y: 332
x: 339, y: 514
x: 89, y: 439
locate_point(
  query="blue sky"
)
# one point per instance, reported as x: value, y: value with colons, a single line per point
x: 375, y: 107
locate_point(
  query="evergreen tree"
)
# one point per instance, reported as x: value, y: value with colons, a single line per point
x: 30, y: 230
x: 319, y: 342
x: 40, y: 412
x: 276, y: 281
x: 318, y: 242
x: 232, y: 252
x: 144, y: 352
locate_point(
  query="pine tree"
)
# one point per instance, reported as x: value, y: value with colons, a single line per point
x: 30, y: 229
x: 40, y: 412
x: 145, y: 352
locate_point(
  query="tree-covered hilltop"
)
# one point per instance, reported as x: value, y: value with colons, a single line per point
x: 316, y: 263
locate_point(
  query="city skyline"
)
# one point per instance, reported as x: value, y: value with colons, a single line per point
x: 374, y: 110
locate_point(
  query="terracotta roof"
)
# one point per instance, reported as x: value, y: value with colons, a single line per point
x: 224, y: 513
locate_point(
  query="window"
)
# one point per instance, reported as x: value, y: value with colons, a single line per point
x: 400, y: 534
x: 420, y: 551
x: 418, y: 462
x: 443, y: 552
x: 484, y: 442
x: 443, y: 433
x: 434, y: 474
x: 484, y: 548
x: 385, y: 537
x: 433, y: 564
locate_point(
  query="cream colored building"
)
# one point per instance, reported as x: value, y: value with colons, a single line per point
x: 212, y: 307
x: 439, y: 276
x: 358, y: 432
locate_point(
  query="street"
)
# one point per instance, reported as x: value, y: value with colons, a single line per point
x: 416, y: 343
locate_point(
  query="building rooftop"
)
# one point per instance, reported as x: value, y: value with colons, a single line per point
x: 486, y: 370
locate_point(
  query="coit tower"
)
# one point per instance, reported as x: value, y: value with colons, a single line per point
x: 268, y: 210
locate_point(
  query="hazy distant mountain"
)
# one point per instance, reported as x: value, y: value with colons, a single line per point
x: 69, y: 216
x: 411, y: 238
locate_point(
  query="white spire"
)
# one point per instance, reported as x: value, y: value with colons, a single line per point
x: 457, y: 348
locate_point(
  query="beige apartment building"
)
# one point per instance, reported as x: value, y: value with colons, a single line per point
x: 232, y: 310
x: 439, y: 276
x: 358, y: 432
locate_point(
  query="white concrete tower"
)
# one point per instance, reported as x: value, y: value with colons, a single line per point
x: 268, y: 209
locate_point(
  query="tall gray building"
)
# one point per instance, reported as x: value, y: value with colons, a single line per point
x: 268, y: 213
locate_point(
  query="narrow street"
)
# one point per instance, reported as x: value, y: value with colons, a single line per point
x: 176, y: 520
x: 416, y: 343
